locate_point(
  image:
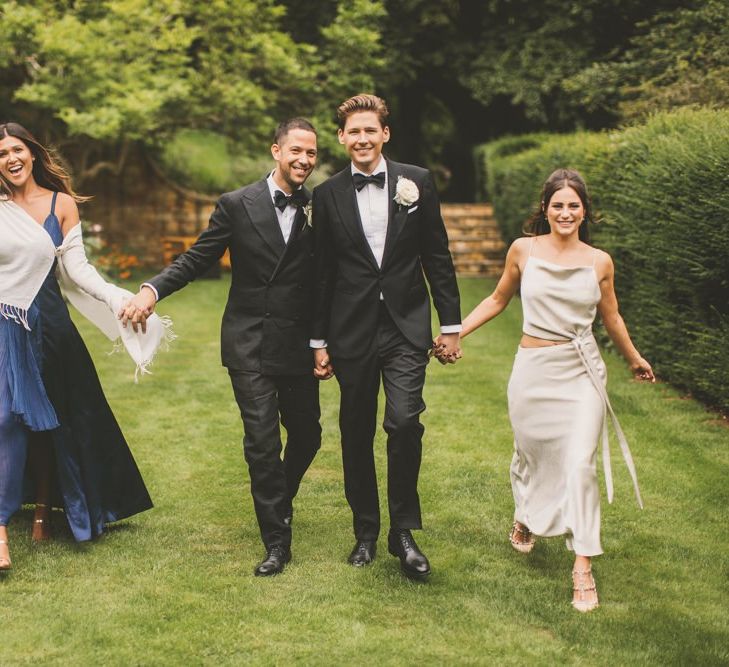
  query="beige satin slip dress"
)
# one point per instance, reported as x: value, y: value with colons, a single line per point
x: 558, y: 408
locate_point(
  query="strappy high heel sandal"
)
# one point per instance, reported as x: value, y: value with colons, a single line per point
x: 41, y: 531
x: 521, y: 538
x: 5, y: 563
x: 584, y: 591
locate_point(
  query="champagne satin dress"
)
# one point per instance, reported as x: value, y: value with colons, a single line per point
x: 558, y: 406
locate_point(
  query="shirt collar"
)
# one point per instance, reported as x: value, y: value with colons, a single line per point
x: 381, y: 167
x: 273, y: 188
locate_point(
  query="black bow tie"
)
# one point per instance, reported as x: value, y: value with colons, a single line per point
x: 297, y: 198
x: 360, y: 180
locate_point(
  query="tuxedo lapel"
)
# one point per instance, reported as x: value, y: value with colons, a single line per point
x: 346, y: 203
x: 396, y: 214
x: 259, y: 206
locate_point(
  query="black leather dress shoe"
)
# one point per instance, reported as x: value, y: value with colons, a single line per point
x: 274, y: 562
x: 363, y: 553
x: 413, y: 562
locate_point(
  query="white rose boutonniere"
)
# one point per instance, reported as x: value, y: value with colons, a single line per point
x: 307, y: 214
x: 406, y: 192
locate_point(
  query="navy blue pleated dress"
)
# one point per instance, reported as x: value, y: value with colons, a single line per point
x: 48, y: 383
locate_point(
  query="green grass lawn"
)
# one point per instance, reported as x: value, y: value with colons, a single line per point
x: 175, y: 585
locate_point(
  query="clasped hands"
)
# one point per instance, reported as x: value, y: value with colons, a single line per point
x: 138, y: 309
x: 447, y: 348
x: 323, y: 368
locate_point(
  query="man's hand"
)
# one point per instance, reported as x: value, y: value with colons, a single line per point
x: 447, y: 348
x: 138, y: 309
x: 323, y: 369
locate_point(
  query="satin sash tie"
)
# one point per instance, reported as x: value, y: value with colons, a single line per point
x: 578, y: 342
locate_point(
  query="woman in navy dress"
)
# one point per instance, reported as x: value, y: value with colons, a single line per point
x: 60, y: 445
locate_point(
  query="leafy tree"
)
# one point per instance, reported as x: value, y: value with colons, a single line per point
x: 678, y: 59
x: 463, y: 72
x: 100, y: 76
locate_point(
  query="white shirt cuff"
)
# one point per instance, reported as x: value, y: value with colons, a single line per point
x: 153, y: 288
x: 451, y: 328
x: 317, y: 343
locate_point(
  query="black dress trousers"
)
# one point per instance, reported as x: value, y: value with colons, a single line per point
x: 401, y: 366
x: 262, y: 400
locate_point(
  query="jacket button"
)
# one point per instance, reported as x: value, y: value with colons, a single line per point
x: 268, y: 314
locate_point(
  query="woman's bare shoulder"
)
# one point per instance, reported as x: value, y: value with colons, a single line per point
x: 66, y: 203
x: 521, y: 245
x: 603, y: 264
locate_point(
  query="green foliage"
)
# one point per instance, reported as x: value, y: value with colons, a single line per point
x: 94, y: 76
x: 661, y: 191
x: 349, y: 59
x: 679, y: 58
x: 484, y: 154
x: 118, y: 73
x: 530, y: 53
x: 668, y: 206
x: 133, y: 71
x: 202, y: 160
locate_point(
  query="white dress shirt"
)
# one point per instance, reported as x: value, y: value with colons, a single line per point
x: 373, y: 211
x: 285, y: 217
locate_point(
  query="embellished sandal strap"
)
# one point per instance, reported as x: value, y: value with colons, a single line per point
x: 585, y: 581
x: 522, y: 530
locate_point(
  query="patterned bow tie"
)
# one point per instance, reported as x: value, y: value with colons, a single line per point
x: 360, y: 180
x: 297, y: 198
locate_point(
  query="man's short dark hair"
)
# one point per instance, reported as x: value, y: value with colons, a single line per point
x: 291, y: 124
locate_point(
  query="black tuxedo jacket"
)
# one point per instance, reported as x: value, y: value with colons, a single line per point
x: 349, y: 282
x: 268, y: 315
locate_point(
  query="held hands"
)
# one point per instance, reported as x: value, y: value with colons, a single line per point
x: 138, y: 309
x: 446, y: 348
x: 323, y: 368
x: 642, y: 370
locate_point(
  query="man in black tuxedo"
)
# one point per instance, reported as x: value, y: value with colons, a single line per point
x: 265, y: 328
x: 378, y: 229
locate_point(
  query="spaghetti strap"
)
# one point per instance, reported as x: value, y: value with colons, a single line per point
x: 531, y: 245
x: 53, y: 203
x: 594, y: 257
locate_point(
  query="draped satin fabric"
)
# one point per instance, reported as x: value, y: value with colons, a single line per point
x: 558, y: 408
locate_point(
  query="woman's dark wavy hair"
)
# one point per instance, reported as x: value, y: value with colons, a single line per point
x: 48, y: 171
x: 538, y: 224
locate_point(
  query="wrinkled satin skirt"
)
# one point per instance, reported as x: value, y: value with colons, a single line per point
x: 557, y: 417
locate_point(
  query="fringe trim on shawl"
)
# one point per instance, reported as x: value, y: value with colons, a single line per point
x: 143, y: 368
x: 17, y: 315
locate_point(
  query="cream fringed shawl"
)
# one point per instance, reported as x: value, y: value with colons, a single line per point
x: 26, y: 255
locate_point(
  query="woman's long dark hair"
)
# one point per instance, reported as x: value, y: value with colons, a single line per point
x: 561, y: 178
x: 48, y: 171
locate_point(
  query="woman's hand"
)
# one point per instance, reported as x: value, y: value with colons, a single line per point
x: 642, y: 370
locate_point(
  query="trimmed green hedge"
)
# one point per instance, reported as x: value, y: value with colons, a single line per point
x: 661, y: 191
